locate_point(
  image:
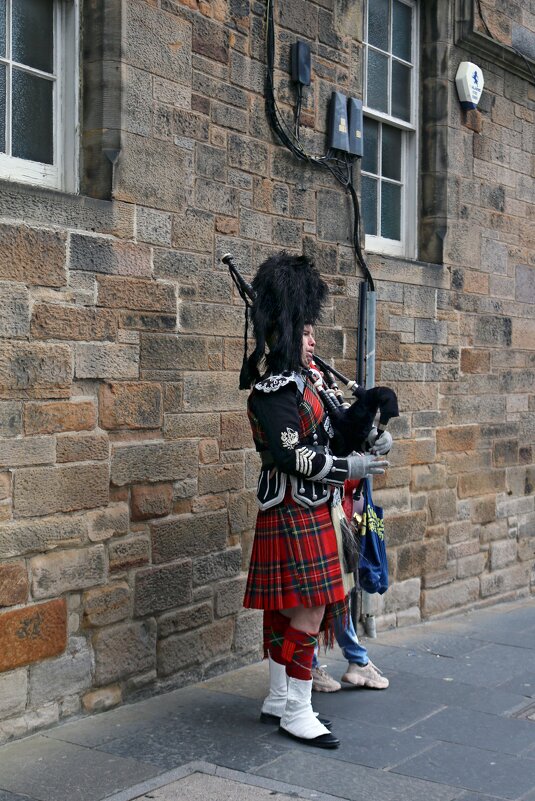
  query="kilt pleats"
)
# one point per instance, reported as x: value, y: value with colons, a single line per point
x: 294, y: 559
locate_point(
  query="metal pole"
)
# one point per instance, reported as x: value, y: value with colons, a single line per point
x: 368, y: 616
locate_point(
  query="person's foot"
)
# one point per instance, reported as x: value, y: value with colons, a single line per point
x: 365, y: 676
x: 322, y: 682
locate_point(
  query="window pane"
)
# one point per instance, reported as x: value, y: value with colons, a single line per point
x: 391, y: 152
x: 370, y: 161
x: 32, y: 118
x: 33, y: 33
x: 369, y: 205
x: 401, y: 30
x: 3, y: 28
x: 390, y: 211
x: 377, y: 81
x: 401, y: 91
x: 378, y: 23
x: 2, y: 108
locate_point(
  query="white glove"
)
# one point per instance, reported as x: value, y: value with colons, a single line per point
x: 365, y: 464
x: 379, y: 445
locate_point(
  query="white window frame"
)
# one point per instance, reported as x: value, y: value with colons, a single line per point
x: 63, y: 173
x: 406, y: 247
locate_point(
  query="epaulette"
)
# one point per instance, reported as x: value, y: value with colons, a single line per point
x: 272, y: 383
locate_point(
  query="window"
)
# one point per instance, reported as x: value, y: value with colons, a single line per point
x: 38, y: 92
x: 390, y: 112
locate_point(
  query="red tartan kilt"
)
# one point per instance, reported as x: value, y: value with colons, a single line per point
x: 294, y: 559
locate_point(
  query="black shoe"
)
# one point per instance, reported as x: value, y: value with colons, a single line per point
x: 274, y: 720
x: 323, y: 741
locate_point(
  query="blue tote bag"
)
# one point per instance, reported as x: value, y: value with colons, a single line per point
x: 373, y: 563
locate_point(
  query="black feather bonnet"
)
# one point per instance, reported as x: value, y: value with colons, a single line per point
x: 289, y: 294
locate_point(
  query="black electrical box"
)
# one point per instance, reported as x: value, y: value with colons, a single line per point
x: 354, y: 113
x: 300, y: 57
x: 338, y: 125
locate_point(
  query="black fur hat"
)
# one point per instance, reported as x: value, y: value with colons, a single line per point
x: 289, y: 294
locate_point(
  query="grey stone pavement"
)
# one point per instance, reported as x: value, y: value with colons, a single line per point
x: 458, y: 722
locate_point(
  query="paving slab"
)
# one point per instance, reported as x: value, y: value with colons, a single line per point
x: 353, y: 782
x: 475, y: 769
x: 200, y: 787
x: 524, y: 683
x: 478, y: 729
x: 48, y: 770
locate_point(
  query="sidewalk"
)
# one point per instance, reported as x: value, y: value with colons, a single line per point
x: 458, y: 722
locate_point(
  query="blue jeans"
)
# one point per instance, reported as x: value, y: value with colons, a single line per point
x: 347, y: 639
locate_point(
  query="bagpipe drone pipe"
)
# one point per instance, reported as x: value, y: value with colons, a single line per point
x: 353, y: 422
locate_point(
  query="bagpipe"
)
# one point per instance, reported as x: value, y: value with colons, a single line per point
x: 353, y: 421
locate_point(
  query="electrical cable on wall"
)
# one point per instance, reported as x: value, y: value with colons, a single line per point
x: 338, y: 163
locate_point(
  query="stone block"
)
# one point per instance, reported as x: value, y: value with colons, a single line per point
x: 82, y: 448
x: 5, y: 486
x: 14, y: 583
x: 174, y: 352
x: 216, y: 197
x: 220, y: 478
x: 124, y: 650
x: 418, y: 558
x: 136, y: 294
x: 197, y: 647
x: 24, y: 452
x: 32, y: 256
x: 457, y: 593
x: 106, y: 523
x: 457, y: 438
x: 461, y: 549
x: 31, y: 370
x: 67, y: 488
x: 188, y: 125
x: 483, y: 510
x: 243, y: 508
x: 502, y: 553
x: 442, y: 505
x: 188, y: 536
x: 235, y: 431
x: 111, y: 361
x: 33, y: 633
x: 247, y: 154
x: 143, y: 174
x: 482, y: 483
x: 410, y: 452
x: 129, y: 553
x: 191, y: 227
x: 185, y: 426
x: 475, y: 360
x: 185, y: 619
x: 147, y: 321
x: 151, y: 225
x: 151, y: 500
x: 229, y: 596
x: 206, y: 318
x: 10, y: 418
x: 105, y: 605
x: 503, y: 581
x: 493, y: 330
x: 428, y: 477
x: 112, y: 257
x: 472, y: 565
x: 148, y: 462
x: 131, y: 405
x: 52, y: 321
x: 524, y: 282
x: 13, y: 693
x: 19, y: 538
x: 76, y: 569
x: 14, y: 310
x: 209, y: 452
x: 430, y: 331
x: 157, y: 589
x: 224, y: 564
x: 210, y: 39
x: 157, y: 43
x: 211, y: 162
x: 68, y: 674
x: 212, y: 392
x: 100, y: 700
x: 58, y: 416
x: 333, y: 217
x: 402, y: 595
x: 248, y: 631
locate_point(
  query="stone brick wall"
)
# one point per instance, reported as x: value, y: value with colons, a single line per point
x: 127, y: 471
